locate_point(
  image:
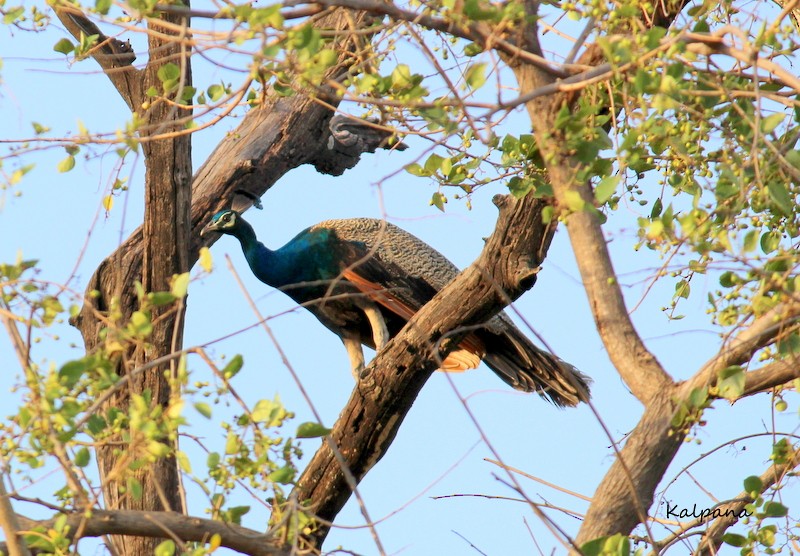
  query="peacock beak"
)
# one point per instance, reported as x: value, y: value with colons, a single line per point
x: 209, y: 228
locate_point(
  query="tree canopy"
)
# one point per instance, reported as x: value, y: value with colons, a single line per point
x: 633, y: 164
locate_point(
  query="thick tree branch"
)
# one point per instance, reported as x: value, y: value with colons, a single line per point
x: 165, y: 253
x: 626, y: 492
x: 636, y: 365
x: 740, y: 348
x: 9, y: 524
x: 378, y: 405
x: 771, y: 376
x: 652, y: 445
x: 160, y: 525
x: 114, y: 56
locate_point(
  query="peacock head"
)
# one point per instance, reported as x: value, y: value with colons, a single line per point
x: 224, y: 222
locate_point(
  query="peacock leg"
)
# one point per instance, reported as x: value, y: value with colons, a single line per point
x: 353, y: 346
x: 380, y: 333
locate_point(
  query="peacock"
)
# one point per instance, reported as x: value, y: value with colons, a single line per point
x: 364, y: 278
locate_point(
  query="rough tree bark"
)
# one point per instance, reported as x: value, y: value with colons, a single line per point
x: 166, y: 253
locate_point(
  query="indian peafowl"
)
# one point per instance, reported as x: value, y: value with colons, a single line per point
x: 364, y: 278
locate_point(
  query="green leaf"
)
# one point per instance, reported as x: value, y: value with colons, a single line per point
x: 108, y: 202
x: 766, y: 535
x: 574, y: 201
x: 615, y: 545
x: 731, y: 382
x: 203, y: 409
x: 312, y: 430
x: 793, y: 157
x: 102, y: 6
x: 180, y: 285
x: 733, y: 539
x: 771, y: 122
x: 13, y: 14
x: 475, y: 76
x: 774, y: 509
x: 473, y: 49
x: 234, y: 514
x: 232, y: 443
x: 38, y: 128
x: 519, y: 187
x: 183, y: 461
x: 606, y: 188
x: 402, y: 77
x: 161, y: 298
x: 96, y: 424
x: 750, y: 241
x: 82, y: 457
x: 168, y: 72
x: 66, y: 164
x: 134, y: 488
x: 166, y: 548
x: 780, y: 196
x: 434, y: 163
x: 416, y: 170
x: 233, y: 366
x: 141, y: 324
x: 728, y: 279
x: 283, y: 476
x: 770, y: 241
x: 64, y: 46
x: 216, y: 92
x: 753, y: 485
x: 271, y: 413
x: 213, y: 459
x: 682, y: 289
x: 438, y: 200
x: 698, y: 397
x: 655, y: 212
x: 205, y: 259
x: 72, y: 372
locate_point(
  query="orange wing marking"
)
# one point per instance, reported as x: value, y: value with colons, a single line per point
x: 471, y: 349
x: 379, y: 294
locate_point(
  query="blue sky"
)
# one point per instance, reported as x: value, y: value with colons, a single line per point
x: 438, y: 451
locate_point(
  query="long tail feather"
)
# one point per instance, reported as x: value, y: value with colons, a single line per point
x: 524, y: 366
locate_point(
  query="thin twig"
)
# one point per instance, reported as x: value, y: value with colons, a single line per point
x: 538, y: 480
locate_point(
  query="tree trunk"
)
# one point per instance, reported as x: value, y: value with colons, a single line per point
x: 165, y: 253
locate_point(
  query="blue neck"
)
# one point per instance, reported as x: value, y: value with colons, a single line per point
x: 267, y: 265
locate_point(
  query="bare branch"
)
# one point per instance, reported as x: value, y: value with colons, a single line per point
x: 538, y: 480
x: 161, y: 525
